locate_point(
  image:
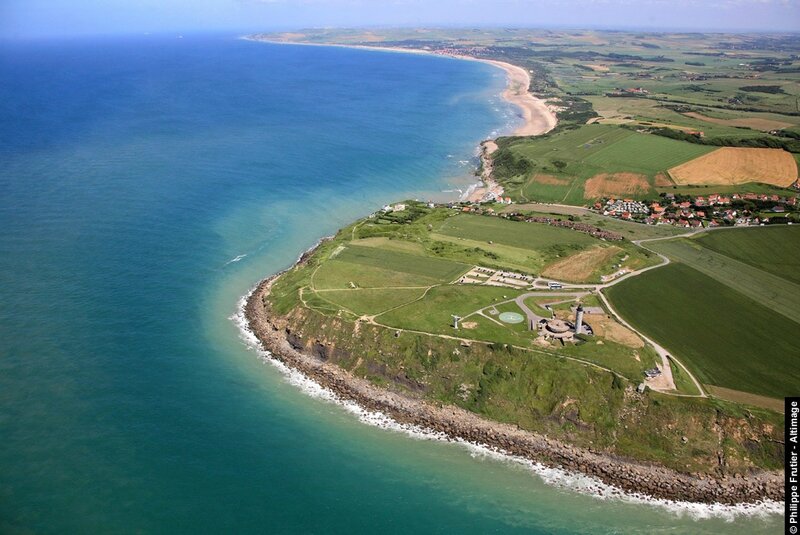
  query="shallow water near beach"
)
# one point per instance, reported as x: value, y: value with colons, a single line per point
x: 146, y: 184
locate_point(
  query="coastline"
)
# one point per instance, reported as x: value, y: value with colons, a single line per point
x: 755, y: 493
x: 758, y: 492
x: 538, y: 117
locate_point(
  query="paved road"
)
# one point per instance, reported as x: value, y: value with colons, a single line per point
x: 666, y: 381
x: 666, y: 368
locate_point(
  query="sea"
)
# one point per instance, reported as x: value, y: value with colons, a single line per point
x: 147, y: 183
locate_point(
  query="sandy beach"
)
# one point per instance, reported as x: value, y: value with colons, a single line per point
x: 538, y: 117
x: 284, y: 339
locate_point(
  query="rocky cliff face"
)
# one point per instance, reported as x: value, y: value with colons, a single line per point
x: 317, y: 353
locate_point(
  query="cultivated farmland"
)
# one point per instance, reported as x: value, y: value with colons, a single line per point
x: 774, y: 249
x: 728, y: 339
x: 615, y: 185
x: 643, y: 153
x: 772, y: 291
x: 588, y: 162
x: 732, y: 165
x: 513, y: 233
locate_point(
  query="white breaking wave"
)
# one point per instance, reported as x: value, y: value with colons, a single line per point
x: 235, y: 259
x: 556, y: 477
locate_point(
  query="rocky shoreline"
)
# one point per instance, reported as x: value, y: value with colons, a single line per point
x: 277, y: 337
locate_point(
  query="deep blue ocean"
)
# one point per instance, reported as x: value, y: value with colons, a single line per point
x: 146, y: 184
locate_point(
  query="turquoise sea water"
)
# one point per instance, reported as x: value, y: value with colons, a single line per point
x: 145, y: 185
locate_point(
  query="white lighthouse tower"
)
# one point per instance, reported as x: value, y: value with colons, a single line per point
x: 579, y: 319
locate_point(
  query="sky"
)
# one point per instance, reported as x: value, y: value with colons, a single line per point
x: 51, y: 18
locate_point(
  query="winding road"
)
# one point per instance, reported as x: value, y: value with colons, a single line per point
x: 665, y: 383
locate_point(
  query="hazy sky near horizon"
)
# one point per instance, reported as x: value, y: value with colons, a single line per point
x: 44, y: 18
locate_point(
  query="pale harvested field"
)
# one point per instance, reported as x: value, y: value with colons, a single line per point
x: 756, y: 123
x: 550, y: 179
x: 607, y: 328
x: 580, y: 266
x: 734, y: 165
x: 610, y: 185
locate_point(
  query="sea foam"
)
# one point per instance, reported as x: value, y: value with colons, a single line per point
x: 237, y: 258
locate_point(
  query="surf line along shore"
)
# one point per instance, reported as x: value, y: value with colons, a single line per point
x: 276, y: 335
x: 643, y: 481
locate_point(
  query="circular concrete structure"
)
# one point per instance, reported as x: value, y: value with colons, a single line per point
x: 511, y: 317
x: 557, y: 326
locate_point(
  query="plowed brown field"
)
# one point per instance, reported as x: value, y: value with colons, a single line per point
x: 616, y: 184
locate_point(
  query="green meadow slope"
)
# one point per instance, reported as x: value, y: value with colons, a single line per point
x: 723, y: 336
x: 774, y: 249
x: 556, y: 167
x: 727, y: 306
x: 378, y: 299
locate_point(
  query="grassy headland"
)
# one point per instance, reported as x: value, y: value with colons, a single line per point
x: 378, y: 299
x: 477, y: 312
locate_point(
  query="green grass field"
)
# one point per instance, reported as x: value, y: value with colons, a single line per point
x: 370, y: 267
x: 693, y: 81
x: 646, y: 154
x: 772, y: 291
x: 373, y: 301
x: 774, y: 249
x: 534, y: 237
x: 619, y: 358
x: 516, y: 258
x: 574, y: 156
x: 726, y: 338
x: 433, y: 313
x: 435, y: 268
